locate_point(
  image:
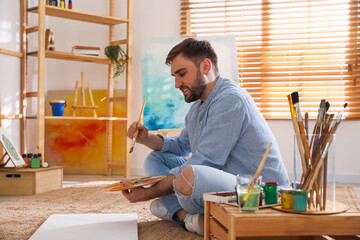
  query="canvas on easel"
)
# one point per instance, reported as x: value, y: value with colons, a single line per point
x: 11, y: 157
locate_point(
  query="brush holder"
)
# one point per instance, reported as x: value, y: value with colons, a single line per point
x: 316, y: 175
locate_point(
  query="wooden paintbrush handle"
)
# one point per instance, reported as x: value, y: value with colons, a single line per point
x: 139, y: 120
x: 300, y: 145
x: 261, y: 165
x: 305, y: 142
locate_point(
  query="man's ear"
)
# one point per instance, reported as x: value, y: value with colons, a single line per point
x: 205, y: 66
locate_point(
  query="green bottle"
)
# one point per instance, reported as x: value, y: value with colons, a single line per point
x: 35, y: 162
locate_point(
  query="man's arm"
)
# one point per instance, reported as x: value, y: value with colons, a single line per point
x: 162, y: 188
x: 144, y: 137
x: 154, y: 142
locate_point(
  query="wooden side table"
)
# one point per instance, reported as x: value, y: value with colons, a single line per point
x: 224, y: 221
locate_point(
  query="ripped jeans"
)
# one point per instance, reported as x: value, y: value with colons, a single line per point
x: 207, y: 179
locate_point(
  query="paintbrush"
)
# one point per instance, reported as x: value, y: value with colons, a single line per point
x: 256, y: 175
x: 320, y: 156
x: 297, y: 136
x: 296, y: 103
x: 319, y: 126
x: 327, y: 122
x: 307, y: 125
x: 137, y: 130
x: 318, y: 130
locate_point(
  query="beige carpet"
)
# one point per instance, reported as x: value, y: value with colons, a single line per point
x: 19, y: 219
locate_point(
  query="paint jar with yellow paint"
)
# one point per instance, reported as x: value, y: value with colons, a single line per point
x: 286, y: 198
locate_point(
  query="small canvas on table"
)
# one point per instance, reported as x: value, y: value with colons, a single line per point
x: 14, y: 159
x: 88, y: 226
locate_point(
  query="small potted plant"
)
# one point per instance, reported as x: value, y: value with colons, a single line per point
x: 118, y: 59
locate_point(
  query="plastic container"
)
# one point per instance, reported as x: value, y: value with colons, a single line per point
x: 300, y: 200
x: 57, y: 107
x: 26, y: 159
x: 35, y: 162
x: 271, y: 193
x: 286, y: 199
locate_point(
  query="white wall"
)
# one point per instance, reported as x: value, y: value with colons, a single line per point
x: 155, y: 18
x: 10, y: 67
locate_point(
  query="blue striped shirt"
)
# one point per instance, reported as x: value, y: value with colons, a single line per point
x: 228, y: 132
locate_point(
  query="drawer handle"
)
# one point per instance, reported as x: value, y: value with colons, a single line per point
x: 13, y: 175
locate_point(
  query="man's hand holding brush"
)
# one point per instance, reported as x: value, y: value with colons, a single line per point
x: 138, y: 131
x: 143, y: 136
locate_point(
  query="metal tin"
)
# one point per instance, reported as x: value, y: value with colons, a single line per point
x: 286, y: 198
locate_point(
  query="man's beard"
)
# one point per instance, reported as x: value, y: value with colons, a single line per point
x: 197, y: 89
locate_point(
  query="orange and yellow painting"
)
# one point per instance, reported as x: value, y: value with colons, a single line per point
x: 80, y: 145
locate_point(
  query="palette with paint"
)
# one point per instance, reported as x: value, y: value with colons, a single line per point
x: 134, y: 183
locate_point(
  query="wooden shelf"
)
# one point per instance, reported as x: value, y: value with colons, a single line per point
x: 72, y: 57
x: 79, y: 16
x: 11, y: 116
x: 42, y: 10
x: 86, y: 118
x: 11, y: 53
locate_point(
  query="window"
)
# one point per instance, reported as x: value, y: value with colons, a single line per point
x: 285, y: 46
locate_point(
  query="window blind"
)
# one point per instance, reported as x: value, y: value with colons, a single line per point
x: 287, y: 45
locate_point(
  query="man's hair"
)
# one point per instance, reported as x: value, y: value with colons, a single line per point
x: 195, y: 50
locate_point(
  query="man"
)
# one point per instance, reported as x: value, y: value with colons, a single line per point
x: 224, y: 132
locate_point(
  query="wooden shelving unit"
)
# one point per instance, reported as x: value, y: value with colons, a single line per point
x: 20, y: 55
x: 79, y: 16
x: 86, y: 118
x: 41, y: 10
x: 11, y: 53
x: 72, y: 57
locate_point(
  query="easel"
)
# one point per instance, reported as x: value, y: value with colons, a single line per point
x: 2, y: 160
x: 2, y: 154
x: 83, y: 104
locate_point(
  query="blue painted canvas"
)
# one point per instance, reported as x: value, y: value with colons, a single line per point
x: 165, y: 105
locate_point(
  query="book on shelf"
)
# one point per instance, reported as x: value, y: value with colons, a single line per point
x: 228, y: 197
x: 94, y: 51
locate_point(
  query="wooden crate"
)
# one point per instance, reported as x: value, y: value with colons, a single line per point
x: 29, y: 181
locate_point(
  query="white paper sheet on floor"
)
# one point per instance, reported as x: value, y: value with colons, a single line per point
x: 88, y: 226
